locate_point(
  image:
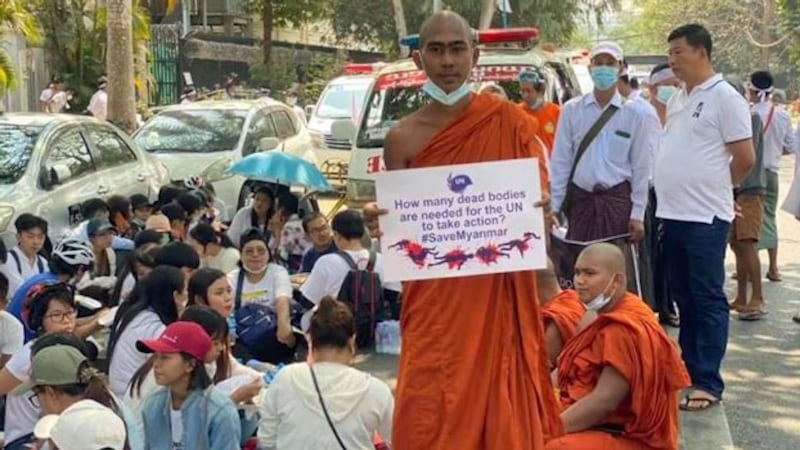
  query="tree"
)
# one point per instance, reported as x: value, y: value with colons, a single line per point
x: 280, y: 13
x: 373, y: 20
x: 119, y: 64
x: 744, y: 31
x: 15, y: 18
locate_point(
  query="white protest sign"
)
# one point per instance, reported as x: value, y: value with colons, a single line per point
x: 455, y: 221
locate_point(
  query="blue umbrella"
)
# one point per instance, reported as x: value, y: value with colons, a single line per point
x: 281, y: 168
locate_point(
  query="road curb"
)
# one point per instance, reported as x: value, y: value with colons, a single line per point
x: 705, y: 430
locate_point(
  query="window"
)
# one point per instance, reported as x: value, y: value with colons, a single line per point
x: 260, y: 127
x: 16, y: 149
x: 70, y: 150
x: 283, y: 124
x: 112, y: 150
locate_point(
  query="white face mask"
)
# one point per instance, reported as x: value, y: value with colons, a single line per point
x: 438, y: 94
x: 291, y: 101
x: 253, y: 271
x: 601, y: 300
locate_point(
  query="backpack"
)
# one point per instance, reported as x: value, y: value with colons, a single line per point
x: 362, y: 291
x: 39, y: 262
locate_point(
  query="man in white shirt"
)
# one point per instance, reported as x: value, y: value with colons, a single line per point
x: 98, y: 105
x: 601, y: 182
x: 778, y: 138
x: 24, y: 260
x: 291, y: 100
x: 706, y: 150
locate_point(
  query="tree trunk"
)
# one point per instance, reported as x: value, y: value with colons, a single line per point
x: 400, y: 22
x: 437, y: 5
x: 487, y: 12
x: 119, y: 64
x: 266, y: 43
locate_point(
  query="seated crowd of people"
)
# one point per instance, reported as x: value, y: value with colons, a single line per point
x: 164, y: 326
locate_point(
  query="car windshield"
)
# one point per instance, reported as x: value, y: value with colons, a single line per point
x: 16, y: 148
x: 192, y: 131
x: 342, y: 101
x: 397, y: 95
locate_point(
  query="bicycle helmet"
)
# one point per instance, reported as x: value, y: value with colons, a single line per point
x: 194, y: 182
x: 74, y: 252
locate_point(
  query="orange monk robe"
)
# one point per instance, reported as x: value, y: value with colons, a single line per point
x: 473, y: 373
x: 629, y: 339
x: 564, y: 311
x: 547, y: 116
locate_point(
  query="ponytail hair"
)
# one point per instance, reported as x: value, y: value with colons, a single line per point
x: 332, y: 324
x: 205, y: 234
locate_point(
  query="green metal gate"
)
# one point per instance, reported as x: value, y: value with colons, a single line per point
x: 165, y: 63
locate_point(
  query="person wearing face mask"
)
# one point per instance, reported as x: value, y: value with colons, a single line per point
x: 532, y: 87
x: 778, y: 138
x: 258, y: 280
x: 601, y: 156
x: 620, y: 377
x: 449, y: 405
x: 291, y: 100
x: 662, y: 85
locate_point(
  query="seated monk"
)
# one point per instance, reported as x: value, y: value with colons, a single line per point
x: 562, y: 310
x: 473, y: 374
x: 619, y: 378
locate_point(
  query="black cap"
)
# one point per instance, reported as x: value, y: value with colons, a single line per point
x: 761, y: 79
x: 98, y: 226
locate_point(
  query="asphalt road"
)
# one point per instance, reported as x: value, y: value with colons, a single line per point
x: 762, y: 366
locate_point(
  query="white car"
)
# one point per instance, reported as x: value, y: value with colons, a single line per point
x: 205, y: 138
x: 51, y: 163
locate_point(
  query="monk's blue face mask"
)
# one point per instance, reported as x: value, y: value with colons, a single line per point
x: 437, y: 94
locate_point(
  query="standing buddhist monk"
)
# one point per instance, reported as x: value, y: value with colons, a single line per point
x: 532, y: 87
x: 473, y: 374
x: 619, y: 378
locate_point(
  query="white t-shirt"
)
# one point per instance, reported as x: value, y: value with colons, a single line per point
x: 328, y: 274
x: 11, y: 334
x: 21, y: 415
x: 176, y: 425
x: 275, y: 283
x: 692, y: 172
x: 127, y: 287
x: 17, y: 275
x: 778, y: 133
x: 226, y: 260
x: 127, y: 359
x: 98, y: 105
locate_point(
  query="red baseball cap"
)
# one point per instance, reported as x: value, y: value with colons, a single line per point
x: 179, y: 337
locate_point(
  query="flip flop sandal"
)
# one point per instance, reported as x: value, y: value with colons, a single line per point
x: 774, y: 279
x: 751, y: 316
x: 706, y: 404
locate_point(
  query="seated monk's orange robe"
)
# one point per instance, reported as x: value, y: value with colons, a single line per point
x: 473, y: 373
x: 547, y: 116
x: 564, y: 311
x: 629, y: 339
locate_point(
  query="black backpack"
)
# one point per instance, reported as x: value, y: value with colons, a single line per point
x: 362, y: 291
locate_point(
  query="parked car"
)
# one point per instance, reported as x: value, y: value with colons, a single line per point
x: 51, y: 163
x: 205, y: 138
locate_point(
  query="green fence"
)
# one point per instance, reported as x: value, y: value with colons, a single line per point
x: 165, y: 64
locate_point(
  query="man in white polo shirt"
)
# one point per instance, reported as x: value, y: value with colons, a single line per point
x: 600, y: 167
x: 706, y: 150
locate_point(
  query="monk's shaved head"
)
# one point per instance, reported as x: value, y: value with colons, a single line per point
x: 608, y: 255
x: 446, y: 20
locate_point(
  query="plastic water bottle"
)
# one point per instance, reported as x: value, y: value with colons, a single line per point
x: 392, y: 331
x: 399, y: 338
x: 380, y: 337
x: 269, y: 376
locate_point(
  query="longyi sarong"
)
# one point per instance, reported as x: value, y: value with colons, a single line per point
x: 769, y: 228
x: 600, y: 214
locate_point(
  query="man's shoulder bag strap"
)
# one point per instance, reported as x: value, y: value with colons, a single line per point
x: 583, y: 146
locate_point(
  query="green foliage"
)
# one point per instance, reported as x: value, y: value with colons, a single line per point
x: 373, y: 20
x: 278, y: 75
x: 286, y: 12
x: 320, y: 70
x: 16, y: 18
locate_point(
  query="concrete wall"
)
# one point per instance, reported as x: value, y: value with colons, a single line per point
x: 31, y: 71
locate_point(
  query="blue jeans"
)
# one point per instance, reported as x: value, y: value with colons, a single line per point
x: 695, y: 254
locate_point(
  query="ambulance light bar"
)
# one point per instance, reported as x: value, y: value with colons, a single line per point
x: 362, y: 68
x: 497, y: 36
